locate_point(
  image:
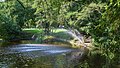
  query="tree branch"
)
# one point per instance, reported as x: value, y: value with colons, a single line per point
x: 21, y: 4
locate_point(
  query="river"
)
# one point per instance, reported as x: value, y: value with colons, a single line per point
x: 39, y: 56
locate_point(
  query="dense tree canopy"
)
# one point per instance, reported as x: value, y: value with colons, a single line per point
x: 96, y: 18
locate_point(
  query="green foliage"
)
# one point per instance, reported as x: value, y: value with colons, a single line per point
x: 47, y: 10
x: 21, y: 15
x: 8, y: 29
x: 103, y: 26
x: 106, y: 32
x: 100, y: 20
x: 96, y: 18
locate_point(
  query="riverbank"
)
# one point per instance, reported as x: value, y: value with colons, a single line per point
x: 58, y: 36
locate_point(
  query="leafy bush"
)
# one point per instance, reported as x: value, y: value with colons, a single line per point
x: 8, y: 28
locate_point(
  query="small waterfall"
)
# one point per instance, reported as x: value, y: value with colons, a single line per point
x: 79, y: 39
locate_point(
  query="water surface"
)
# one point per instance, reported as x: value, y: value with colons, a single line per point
x: 39, y: 56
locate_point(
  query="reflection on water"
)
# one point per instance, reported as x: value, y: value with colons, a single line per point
x: 38, y: 56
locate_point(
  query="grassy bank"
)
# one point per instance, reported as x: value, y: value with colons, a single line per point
x: 55, y: 33
x: 33, y: 30
x: 35, y: 35
x: 56, y: 36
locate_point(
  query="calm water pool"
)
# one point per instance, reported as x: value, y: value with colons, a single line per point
x: 39, y: 56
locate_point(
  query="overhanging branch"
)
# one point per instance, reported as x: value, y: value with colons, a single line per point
x: 21, y: 4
